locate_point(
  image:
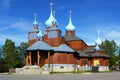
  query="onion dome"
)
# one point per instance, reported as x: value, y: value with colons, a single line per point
x: 51, y: 20
x: 70, y: 26
x: 35, y: 23
x: 40, y: 34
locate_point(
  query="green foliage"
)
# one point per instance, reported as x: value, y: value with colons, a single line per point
x: 110, y: 47
x: 14, y: 56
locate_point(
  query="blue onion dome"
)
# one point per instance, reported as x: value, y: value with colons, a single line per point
x: 35, y: 23
x: 40, y: 34
x: 70, y: 26
x: 51, y: 20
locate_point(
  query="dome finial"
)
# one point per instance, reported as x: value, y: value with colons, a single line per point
x: 51, y: 6
x: 35, y: 23
x: 70, y: 13
x: 54, y: 13
x: 98, y: 33
x: 98, y: 39
x: 35, y: 15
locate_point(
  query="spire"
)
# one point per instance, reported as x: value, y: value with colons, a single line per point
x: 51, y: 19
x: 35, y: 23
x: 98, y: 41
x: 70, y: 26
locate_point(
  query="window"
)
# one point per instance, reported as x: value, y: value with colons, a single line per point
x: 52, y: 34
x: 84, y: 62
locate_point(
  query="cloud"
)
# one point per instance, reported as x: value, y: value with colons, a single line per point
x: 19, y: 25
x: 60, y: 7
x: 15, y: 38
x: 113, y: 34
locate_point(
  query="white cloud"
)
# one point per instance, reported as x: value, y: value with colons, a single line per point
x: 113, y: 34
x: 60, y: 7
x: 20, y: 25
x: 15, y: 38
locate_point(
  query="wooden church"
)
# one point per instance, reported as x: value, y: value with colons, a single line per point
x: 49, y: 49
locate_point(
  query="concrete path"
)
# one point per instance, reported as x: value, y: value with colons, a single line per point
x: 92, y: 76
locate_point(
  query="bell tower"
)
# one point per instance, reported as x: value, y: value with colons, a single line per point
x: 32, y: 35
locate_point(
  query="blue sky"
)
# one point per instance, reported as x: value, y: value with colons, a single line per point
x: 17, y: 16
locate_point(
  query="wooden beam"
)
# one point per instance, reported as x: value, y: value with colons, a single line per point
x: 27, y: 58
x: 49, y: 59
x: 30, y: 57
x: 38, y: 58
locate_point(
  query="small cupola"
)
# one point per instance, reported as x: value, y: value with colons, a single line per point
x: 70, y: 26
x: 40, y: 35
x: 35, y: 23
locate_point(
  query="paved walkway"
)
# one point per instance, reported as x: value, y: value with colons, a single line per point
x: 92, y: 76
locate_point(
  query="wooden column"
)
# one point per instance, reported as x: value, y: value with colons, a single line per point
x: 49, y: 59
x: 27, y: 58
x: 38, y: 58
x: 30, y: 59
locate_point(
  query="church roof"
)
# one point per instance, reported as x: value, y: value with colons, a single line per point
x: 71, y: 37
x: 40, y: 45
x: 63, y: 48
x: 82, y: 54
x: 97, y: 54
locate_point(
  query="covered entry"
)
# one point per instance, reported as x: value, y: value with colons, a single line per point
x: 38, y: 53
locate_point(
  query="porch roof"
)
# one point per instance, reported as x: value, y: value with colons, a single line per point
x: 40, y: 45
x: 97, y: 54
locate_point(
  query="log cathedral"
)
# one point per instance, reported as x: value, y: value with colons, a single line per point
x: 63, y: 53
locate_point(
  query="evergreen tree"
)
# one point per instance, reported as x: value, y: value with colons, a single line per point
x: 21, y: 50
x: 14, y: 55
x: 9, y: 51
x: 110, y: 47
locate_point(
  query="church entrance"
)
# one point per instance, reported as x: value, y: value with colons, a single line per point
x: 39, y: 57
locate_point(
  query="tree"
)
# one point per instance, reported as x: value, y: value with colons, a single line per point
x: 9, y: 51
x: 110, y: 47
x: 21, y: 50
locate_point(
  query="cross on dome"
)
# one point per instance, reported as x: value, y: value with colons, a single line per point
x: 35, y: 15
x: 98, y: 39
x: 70, y: 13
x: 54, y: 13
x: 51, y: 4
